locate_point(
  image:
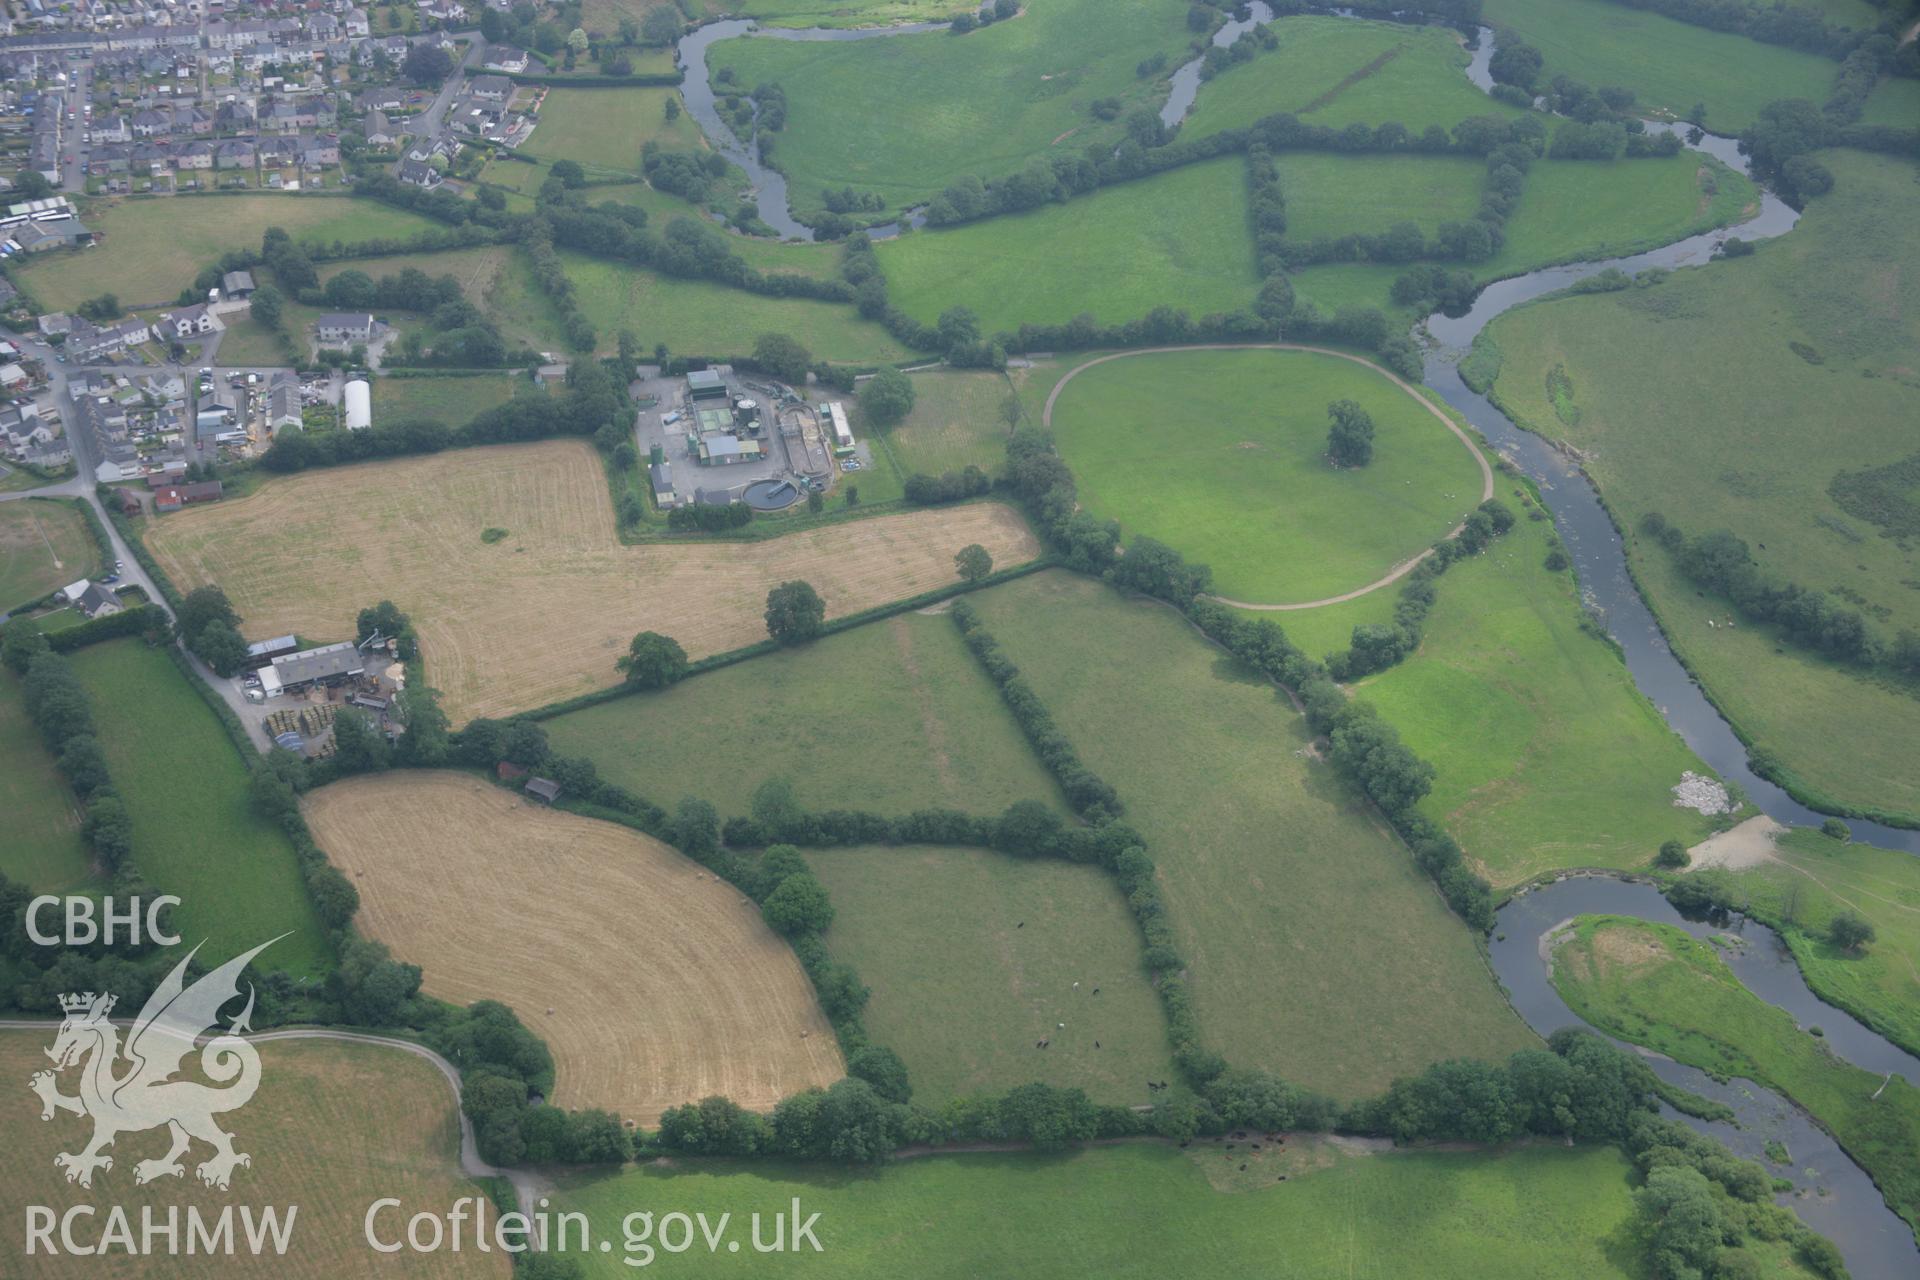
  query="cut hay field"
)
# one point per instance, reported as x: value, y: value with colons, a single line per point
x: 1547, y: 754
x: 1655, y: 985
x: 887, y: 718
x: 1331, y: 195
x: 1669, y: 65
x: 1221, y: 455
x: 1335, y: 71
x: 1315, y: 947
x: 540, y: 615
x: 906, y: 115
x: 450, y: 400
x: 1811, y: 329
x: 196, y: 833
x: 152, y: 249
x: 44, y: 545
x: 1177, y: 239
x: 974, y: 958
x: 43, y: 849
x: 1144, y: 1211
x: 334, y: 1127
x: 652, y: 982
x: 604, y: 129
x: 958, y: 420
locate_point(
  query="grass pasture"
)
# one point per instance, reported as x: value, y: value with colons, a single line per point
x: 1176, y: 239
x: 888, y: 718
x: 149, y: 250
x: 906, y: 115
x: 1221, y: 455
x: 974, y: 958
x: 1734, y: 451
x: 958, y: 420
x: 333, y: 1128
x: 1331, y: 195
x: 1655, y: 985
x: 542, y: 614
x: 450, y: 400
x: 1142, y: 1211
x: 493, y: 278
x: 652, y: 982
x: 195, y: 831
x: 43, y: 849
x: 44, y: 545
x: 604, y: 129
x: 1315, y: 947
x: 1335, y: 71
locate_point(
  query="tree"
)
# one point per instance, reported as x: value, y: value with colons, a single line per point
x: 427, y: 740
x: 887, y: 397
x: 426, y: 64
x: 1350, y: 437
x: 799, y: 905
x: 577, y: 41
x: 203, y: 605
x: 881, y: 1067
x: 1681, y: 1221
x: 572, y: 176
x: 267, y: 305
x: 1850, y: 931
x: 816, y: 502
x: 672, y: 108
x: 20, y: 640
x: 782, y: 356
x: 795, y: 613
x: 358, y: 746
x: 974, y: 563
x: 221, y: 647
x: 1834, y: 829
x: 1672, y: 854
x: 662, y: 25
x: 653, y: 661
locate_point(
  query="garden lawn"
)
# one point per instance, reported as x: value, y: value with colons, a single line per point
x: 44, y: 545
x: 906, y: 115
x: 150, y: 250
x: 1812, y: 330
x: 1547, y: 755
x: 1315, y: 948
x: 1177, y: 239
x: 1655, y: 985
x: 604, y: 129
x: 888, y: 717
x: 1335, y: 71
x: 43, y: 849
x: 1142, y: 1211
x: 957, y: 421
x: 195, y: 831
x: 246, y: 343
x: 975, y: 958
x: 1330, y: 195
x: 1809, y: 880
x: 1669, y: 65
x: 454, y: 400
x: 1222, y: 455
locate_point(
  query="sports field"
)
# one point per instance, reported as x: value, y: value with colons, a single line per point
x: 958, y: 420
x: 43, y: 849
x: 149, y: 250
x: 653, y: 982
x: 44, y: 545
x: 542, y: 614
x: 1811, y: 329
x: 196, y: 833
x: 887, y: 718
x: 1335, y: 71
x: 1654, y: 985
x: 906, y: 115
x: 1547, y: 755
x: 1222, y: 455
x: 976, y: 958
x: 333, y: 1128
x: 453, y: 401
x: 1331, y: 195
x: 1142, y: 1211
x: 1316, y: 948
x: 1177, y: 239
x: 604, y: 129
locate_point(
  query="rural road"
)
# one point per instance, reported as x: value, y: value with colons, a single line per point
x: 527, y: 1188
x: 1393, y: 575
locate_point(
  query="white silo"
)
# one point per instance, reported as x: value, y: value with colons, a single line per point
x: 359, y: 404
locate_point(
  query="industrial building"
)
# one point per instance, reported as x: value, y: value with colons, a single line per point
x: 328, y: 665
x: 359, y: 405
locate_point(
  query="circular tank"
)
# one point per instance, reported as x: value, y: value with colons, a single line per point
x: 771, y: 495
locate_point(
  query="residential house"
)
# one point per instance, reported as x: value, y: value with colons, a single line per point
x: 235, y: 153
x: 419, y: 173
x: 193, y: 155
x: 504, y: 57
x: 491, y: 88
x: 343, y: 327
x: 188, y: 322
x: 150, y: 124
x: 379, y: 132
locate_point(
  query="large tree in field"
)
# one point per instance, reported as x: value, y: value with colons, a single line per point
x: 795, y: 613
x: 887, y: 397
x: 653, y: 661
x: 782, y: 356
x: 1350, y: 437
x: 974, y: 562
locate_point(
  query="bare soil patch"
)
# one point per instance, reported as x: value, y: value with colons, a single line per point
x: 653, y: 982
x: 1747, y: 845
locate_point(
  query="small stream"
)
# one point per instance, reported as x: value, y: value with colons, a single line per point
x: 1831, y: 1194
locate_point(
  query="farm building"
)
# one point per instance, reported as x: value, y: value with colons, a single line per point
x: 545, y: 790
x: 172, y: 497
x: 327, y: 665
x: 661, y: 474
x: 265, y: 651
x: 359, y: 404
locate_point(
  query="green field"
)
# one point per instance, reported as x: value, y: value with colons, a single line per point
x: 1222, y: 455
x: 195, y: 831
x: 1146, y: 1211
x: 1547, y: 755
x: 847, y: 13
x: 604, y: 129
x: 956, y: 422
x: 1669, y: 65
x: 43, y: 849
x: 1177, y: 239
x: 975, y: 958
x: 44, y: 545
x: 493, y: 278
x: 1334, y: 71
x: 1735, y: 451
x: 1330, y: 195
x: 1810, y: 879
x: 906, y: 115
x: 453, y: 401
x: 1654, y: 985
x: 151, y: 249
x: 1315, y: 947
x: 1895, y: 102
x: 888, y: 717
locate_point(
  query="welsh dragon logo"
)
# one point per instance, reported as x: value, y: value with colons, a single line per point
x: 145, y: 1095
